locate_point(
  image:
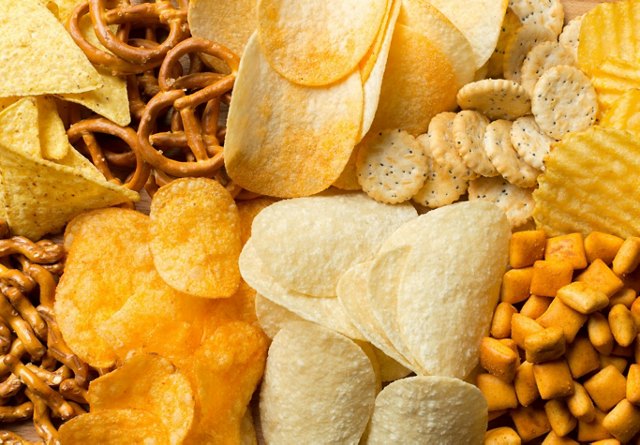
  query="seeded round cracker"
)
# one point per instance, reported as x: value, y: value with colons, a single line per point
x: 543, y: 56
x: 564, y: 100
x: 497, y: 143
x: 519, y: 45
x: 510, y: 25
x: 439, y: 143
x: 495, y: 98
x: 547, y: 13
x: 391, y: 166
x: 516, y: 202
x: 570, y: 35
x: 530, y: 143
x: 468, y: 131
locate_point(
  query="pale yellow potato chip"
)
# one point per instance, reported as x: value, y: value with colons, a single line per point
x: 318, y: 42
x: 543, y: 56
x: 510, y: 24
x: 348, y: 179
x: 38, y: 56
x: 390, y: 369
x: 424, y: 18
x: 147, y: 382
x: 314, y: 373
x: 495, y: 98
x: 307, y: 243
x: 479, y: 21
x: 451, y: 283
x: 547, y: 13
x: 519, y: 45
x: 516, y: 202
x: 590, y: 184
x: 54, y: 143
x: 272, y: 151
x: 409, y: 102
x: 370, y: 59
x: 19, y: 127
x: 429, y: 410
x: 272, y: 317
x: 327, y: 312
x: 563, y: 101
x: 624, y: 113
x: 612, y: 78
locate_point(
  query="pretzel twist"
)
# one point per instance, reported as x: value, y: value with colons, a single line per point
x: 41, y: 419
x: 11, y: 438
x: 25, y: 309
x: 42, y: 252
x: 23, y: 330
x: 16, y: 413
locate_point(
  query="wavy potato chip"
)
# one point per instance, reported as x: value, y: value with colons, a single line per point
x: 613, y: 77
x: 429, y: 410
x: 314, y: 373
x: 114, y: 427
x: 307, y: 243
x: 272, y: 151
x: 318, y: 42
x: 147, y: 382
x: 195, y: 247
x: 624, y: 113
x: 38, y: 55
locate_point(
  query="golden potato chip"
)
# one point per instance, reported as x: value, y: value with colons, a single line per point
x: 273, y: 317
x: 247, y: 211
x: 590, y: 184
x: 429, y: 410
x: 315, y: 373
x: 609, y: 30
x: 247, y: 430
x: 54, y: 143
x: 449, y: 286
x: 114, y: 427
x: 624, y: 113
x: 409, y: 102
x: 111, y: 99
x: 348, y: 179
x: 372, y: 57
x: 318, y: 42
x: 305, y: 244
x: 479, y: 21
x: 38, y: 55
x: 226, y: 371
x: 422, y: 17
x: 272, y: 151
x: 196, y: 247
x: 147, y: 382
x: 613, y: 77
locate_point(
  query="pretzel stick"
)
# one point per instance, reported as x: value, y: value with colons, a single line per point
x: 11, y: 438
x: 50, y: 378
x: 22, y: 329
x: 10, y: 386
x: 25, y: 309
x: 15, y: 413
x: 41, y: 419
x: 70, y: 390
x: 16, y: 278
x: 40, y: 252
x: 5, y: 338
x: 43, y: 277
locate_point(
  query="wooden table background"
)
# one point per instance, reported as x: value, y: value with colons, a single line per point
x: 572, y: 8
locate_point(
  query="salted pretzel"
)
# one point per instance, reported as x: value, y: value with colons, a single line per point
x: 199, y: 137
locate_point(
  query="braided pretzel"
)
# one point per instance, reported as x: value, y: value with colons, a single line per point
x: 200, y: 137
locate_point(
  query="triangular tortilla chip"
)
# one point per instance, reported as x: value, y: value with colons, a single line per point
x: 37, y: 55
x: 19, y: 126
x: 110, y: 101
x: 64, y: 8
x: 54, y: 144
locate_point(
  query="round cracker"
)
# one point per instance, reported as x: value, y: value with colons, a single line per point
x: 497, y: 143
x: 530, y: 143
x: 516, y: 202
x: 543, y: 56
x: 519, y: 45
x: 391, y: 166
x: 495, y: 98
x: 468, y: 131
x: 570, y: 35
x: 439, y: 143
x: 315, y: 373
x: 317, y: 42
x: 564, y: 101
x: 547, y: 13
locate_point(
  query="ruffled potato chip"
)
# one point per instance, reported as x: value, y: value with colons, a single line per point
x: 147, y: 382
x: 613, y: 77
x: 624, y: 113
x: 195, y: 247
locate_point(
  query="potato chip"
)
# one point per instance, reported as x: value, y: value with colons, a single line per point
x: 441, y: 145
x: 54, y: 144
x: 318, y: 42
x: 7, y: 101
x: 65, y: 8
x: 86, y: 297
x: 547, y: 13
x: 449, y: 285
x: 114, y: 427
x: 38, y: 55
x: 424, y: 18
x: 612, y: 78
x: 564, y: 100
x: 111, y: 99
x: 543, y: 56
x: 247, y: 211
x: 369, y: 351
x: 390, y: 369
x: 516, y: 202
x: 429, y: 410
x: 327, y: 312
x: 590, y: 184
x: 479, y: 21
x: 495, y: 98
x: 609, y: 30
x: 247, y: 430
x: 519, y: 45
x: 468, y: 132
x: 391, y: 166
x: 529, y: 142
x: 226, y: 371
x: 273, y: 317
x: 409, y: 102
x: 297, y: 387
x: 305, y: 244
x: 147, y: 382
x: 510, y: 24
x: 570, y: 35
x: 348, y: 179
x: 195, y: 248
x: 270, y: 150
x: 624, y: 113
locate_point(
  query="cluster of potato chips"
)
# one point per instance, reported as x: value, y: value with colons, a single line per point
x: 180, y: 296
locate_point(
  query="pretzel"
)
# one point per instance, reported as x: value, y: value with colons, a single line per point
x: 25, y: 309
x: 17, y: 350
x: 70, y: 390
x: 10, y: 386
x: 11, y: 438
x: 16, y: 278
x: 15, y: 413
x: 41, y: 419
x: 44, y: 278
x: 42, y: 252
x: 5, y: 338
x: 23, y: 330
x: 85, y: 129
x: 50, y: 378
